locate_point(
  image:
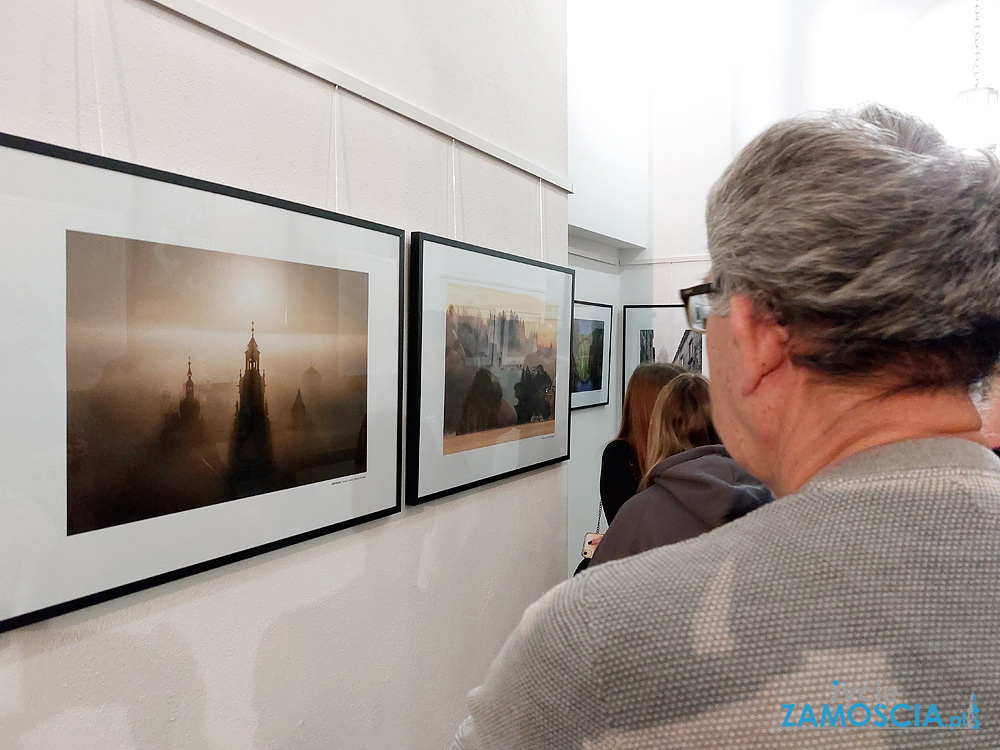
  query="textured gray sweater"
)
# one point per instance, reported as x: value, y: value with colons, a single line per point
x: 876, y: 584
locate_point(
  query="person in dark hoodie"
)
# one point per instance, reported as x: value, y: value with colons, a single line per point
x: 692, y: 485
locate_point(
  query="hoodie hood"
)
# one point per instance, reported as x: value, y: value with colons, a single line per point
x: 709, y: 484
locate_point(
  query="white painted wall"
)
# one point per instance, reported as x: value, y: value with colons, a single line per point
x: 368, y: 638
x: 690, y: 121
x: 650, y: 110
x: 480, y: 65
x: 594, y: 426
x: 659, y: 282
x: 722, y: 72
x: 642, y: 156
x: 916, y: 55
x: 608, y: 101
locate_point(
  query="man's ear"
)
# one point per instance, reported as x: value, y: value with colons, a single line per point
x: 761, y: 344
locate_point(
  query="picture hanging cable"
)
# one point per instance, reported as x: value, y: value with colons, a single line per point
x: 541, y: 220
x: 331, y: 149
x: 93, y: 57
x: 336, y: 147
x: 454, y: 195
x: 115, y: 49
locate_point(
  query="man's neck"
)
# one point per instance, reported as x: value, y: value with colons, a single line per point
x: 824, y: 425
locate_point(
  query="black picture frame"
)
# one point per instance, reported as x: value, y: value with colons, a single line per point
x: 678, y: 322
x: 417, y: 430
x: 607, y: 349
x: 152, y: 182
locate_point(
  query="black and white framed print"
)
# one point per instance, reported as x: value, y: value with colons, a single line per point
x: 489, y: 366
x: 590, y: 355
x: 194, y: 375
x: 659, y: 333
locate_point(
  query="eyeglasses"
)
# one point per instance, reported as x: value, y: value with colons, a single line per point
x: 697, y: 304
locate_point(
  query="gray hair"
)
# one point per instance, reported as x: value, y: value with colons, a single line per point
x: 875, y: 242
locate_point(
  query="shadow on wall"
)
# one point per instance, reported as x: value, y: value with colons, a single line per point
x: 73, y: 690
x: 387, y: 661
x: 413, y: 610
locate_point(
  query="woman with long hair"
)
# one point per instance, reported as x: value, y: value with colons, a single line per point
x: 690, y: 484
x: 624, y: 462
x: 681, y: 419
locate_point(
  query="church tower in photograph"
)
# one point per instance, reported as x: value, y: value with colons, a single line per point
x: 252, y: 469
x: 189, y: 410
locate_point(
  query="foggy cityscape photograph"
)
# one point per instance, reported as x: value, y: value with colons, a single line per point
x: 197, y: 377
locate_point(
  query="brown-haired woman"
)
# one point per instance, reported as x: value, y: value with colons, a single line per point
x: 690, y: 485
x: 625, y: 458
x: 623, y: 463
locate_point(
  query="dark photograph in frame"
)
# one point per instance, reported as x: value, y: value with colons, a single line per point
x: 590, y: 355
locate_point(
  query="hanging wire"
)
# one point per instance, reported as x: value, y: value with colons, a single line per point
x: 976, y: 26
x: 454, y: 195
x: 97, y: 88
x: 336, y: 147
x: 541, y: 220
x: 331, y: 151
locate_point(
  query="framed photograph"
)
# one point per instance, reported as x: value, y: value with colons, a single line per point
x: 489, y: 366
x: 658, y: 333
x: 590, y: 355
x: 194, y: 375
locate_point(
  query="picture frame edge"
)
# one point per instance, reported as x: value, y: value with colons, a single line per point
x: 42, y: 148
x: 418, y: 238
x: 611, y: 348
x: 625, y: 309
x: 134, y: 587
x: 97, y: 161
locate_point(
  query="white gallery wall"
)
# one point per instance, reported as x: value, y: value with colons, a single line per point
x: 916, y: 55
x: 596, y: 281
x: 690, y: 115
x: 368, y: 638
x: 642, y: 155
x: 719, y: 73
x: 608, y: 100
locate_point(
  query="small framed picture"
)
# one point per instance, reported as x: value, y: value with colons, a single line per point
x: 489, y: 366
x: 590, y: 355
x: 659, y: 333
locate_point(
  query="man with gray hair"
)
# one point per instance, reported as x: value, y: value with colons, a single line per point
x: 854, y: 307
